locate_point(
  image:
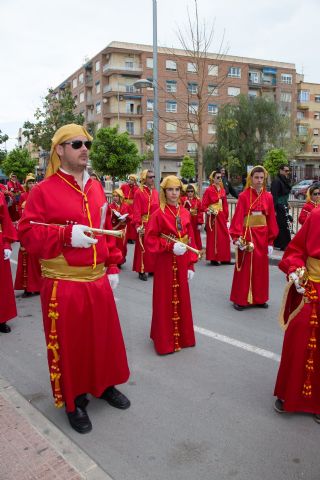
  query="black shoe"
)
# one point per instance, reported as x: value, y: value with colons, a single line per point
x: 143, y: 276
x: 29, y: 294
x: 131, y: 241
x: 261, y: 305
x: 213, y: 262
x: 79, y: 420
x: 238, y: 307
x: 316, y: 418
x: 278, y: 406
x: 150, y: 274
x: 4, y: 328
x: 115, y: 398
x: 227, y: 263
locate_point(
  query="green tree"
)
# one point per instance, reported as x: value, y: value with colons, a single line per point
x: 57, y: 110
x: 113, y: 153
x: 210, y: 159
x: 188, y: 169
x: 3, y: 151
x: 19, y: 162
x: 273, y: 159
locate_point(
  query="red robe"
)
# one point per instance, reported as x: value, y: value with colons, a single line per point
x: 129, y: 191
x: 15, y: 188
x: 145, y: 202
x: 253, y: 267
x: 292, y: 374
x: 91, y: 350
x: 8, y: 234
x: 116, y: 225
x: 172, y: 325
x: 306, y: 210
x: 195, y: 209
x: 218, y: 239
x: 28, y: 274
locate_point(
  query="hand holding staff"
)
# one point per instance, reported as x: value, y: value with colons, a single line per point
x: 99, y: 231
x: 176, y: 240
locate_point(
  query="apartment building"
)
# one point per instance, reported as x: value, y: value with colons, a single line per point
x: 307, y: 162
x: 106, y: 93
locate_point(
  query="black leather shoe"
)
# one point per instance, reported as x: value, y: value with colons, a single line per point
x: 262, y: 305
x: 143, y: 276
x: 115, y: 398
x: 213, y: 262
x: 131, y: 241
x: 79, y: 420
x: 238, y: 307
x: 228, y: 263
x: 4, y: 328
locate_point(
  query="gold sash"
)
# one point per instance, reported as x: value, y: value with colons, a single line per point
x: 145, y: 218
x: 313, y: 267
x: 193, y: 211
x: 129, y: 201
x: 58, y: 268
x: 216, y: 207
x: 255, y: 221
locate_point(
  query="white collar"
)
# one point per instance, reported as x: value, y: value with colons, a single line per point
x: 86, y: 176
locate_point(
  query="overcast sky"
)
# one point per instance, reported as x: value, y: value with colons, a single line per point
x: 43, y: 42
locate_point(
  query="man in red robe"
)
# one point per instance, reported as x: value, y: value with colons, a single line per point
x: 129, y: 189
x: 146, y: 201
x: 8, y: 234
x: 214, y: 203
x: 15, y: 188
x: 28, y: 274
x: 172, y: 324
x: 86, y: 352
x: 253, y: 230
x: 298, y: 381
x: 120, y: 219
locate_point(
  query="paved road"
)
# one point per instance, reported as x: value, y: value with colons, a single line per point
x: 203, y: 413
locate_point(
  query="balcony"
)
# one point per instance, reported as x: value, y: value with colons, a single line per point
x: 88, y: 81
x: 263, y: 83
x: 130, y: 68
x: 301, y: 105
x: 113, y: 112
x: 125, y: 90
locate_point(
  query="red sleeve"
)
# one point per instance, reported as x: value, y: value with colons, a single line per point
x: 136, y: 215
x: 225, y: 207
x: 305, y: 211
x: 152, y: 240
x: 200, y: 212
x: 295, y: 255
x: 115, y: 255
x: 236, y: 227
x: 206, y: 200
x: 9, y: 233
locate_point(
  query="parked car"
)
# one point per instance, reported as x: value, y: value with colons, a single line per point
x: 299, y: 190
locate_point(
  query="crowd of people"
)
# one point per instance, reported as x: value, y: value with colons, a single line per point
x: 73, y: 244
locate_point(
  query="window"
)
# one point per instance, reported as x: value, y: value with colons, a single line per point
x: 81, y: 78
x: 300, y: 115
x: 285, y: 97
x: 150, y: 79
x: 316, y: 131
x: 254, y: 77
x: 286, y: 78
x: 192, y: 67
x: 317, y: 98
x: 233, y: 91
x: 149, y: 62
x: 192, y: 127
x: 212, y: 109
x: 149, y: 125
x: 75, y: 98
x: 304, y: 96
x: 171, y: 126
x: 171, y: 106
x: 97, y: 65
x: 81, y: 97
x: 253, y: 93
x: 234, y: 72
x: 212, y: 129
x: 302, y: 130
x: 130, y: 107
x: 129, y: 88
x: 171, y: 86
x: 74, y: 83
x: 213, y: 70
x: 98, y: 107
x: 192, y: 148
x: 130, y: 127
x: 193, y: 88
x: 213, y: 90
x: 170, y: 147
x: 171, y: 65
x: 315, y: 148
x: 316, y: 115
x: 128, y: 64
x: 98, y: 86
x: 193, y: 107
x: 149, y: 105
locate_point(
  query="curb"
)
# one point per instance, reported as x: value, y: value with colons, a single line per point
x: 71, y: 453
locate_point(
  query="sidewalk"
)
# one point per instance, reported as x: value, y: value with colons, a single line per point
x: 33, y: 448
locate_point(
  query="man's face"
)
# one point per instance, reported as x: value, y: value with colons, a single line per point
x: 131, y: 181
x: 74, y: 159
x: 257, y: 180
x: 190, y: 193
x: 285, y: 171
x: 223, y: 172
x: 217, y: 179
x: 150, y: 179
x: 172, y: 195
x: 116, y: 199
x: 13, y: 178
x: 31, y: 184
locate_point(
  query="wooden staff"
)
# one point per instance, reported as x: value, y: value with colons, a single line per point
x: 100, y: 231
x: 176, y: 240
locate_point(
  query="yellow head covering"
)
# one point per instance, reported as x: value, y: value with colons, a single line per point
x: 168, y: 182
x: 133, y: 177
x: 29, y: 177
x: 62, y: 135
x: 195, y: 189
x: 11, y: 174
x: 310, y: 191
x: 211, y: 176
x: 250, y: 175
x: 119, y: 192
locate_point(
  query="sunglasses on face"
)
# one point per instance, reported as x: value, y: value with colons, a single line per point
x: 218, y: 178
x: 316, y: 193
x: 76, y: 144
x: 286, y: 171
x: 151, y: 176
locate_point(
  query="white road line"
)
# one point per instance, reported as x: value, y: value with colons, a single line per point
x: 237, y: 343
x: 14, y: 261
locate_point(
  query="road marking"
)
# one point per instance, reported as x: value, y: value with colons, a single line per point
x: 13, y: 261
x: 238, y: 343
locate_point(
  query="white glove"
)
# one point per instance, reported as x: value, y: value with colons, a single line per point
x: 199, y: 227
x: 123, y: 217
x: 295, y: 279
x: 140, y: 230
x: 239, y: 245
x: 190, y: 274
x: 179, y: 248
x: 114, y: 280
x: 7, y: 253
x: 79, y: 239
x: 228, y: 225
x: 116, y: 213
x: 209, y: 212
x: 270, y: 250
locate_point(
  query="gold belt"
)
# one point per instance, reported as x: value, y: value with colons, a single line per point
x: 313, y: 267
x: 58, y: 268
x: 129, y: 201
x: 216, y: 207
x: 194, y: 211
x: 184, y: 239
x: 255, y: 221
x: 145, y: 218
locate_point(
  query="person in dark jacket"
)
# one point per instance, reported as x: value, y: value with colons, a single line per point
x: 226, y: 184
x: 280, y: 189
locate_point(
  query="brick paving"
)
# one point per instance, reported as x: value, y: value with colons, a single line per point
x: 25, y: 454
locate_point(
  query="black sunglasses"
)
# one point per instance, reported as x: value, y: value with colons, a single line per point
x: 76, y: 144
x: 315, y: 193
x: 151, y: 176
